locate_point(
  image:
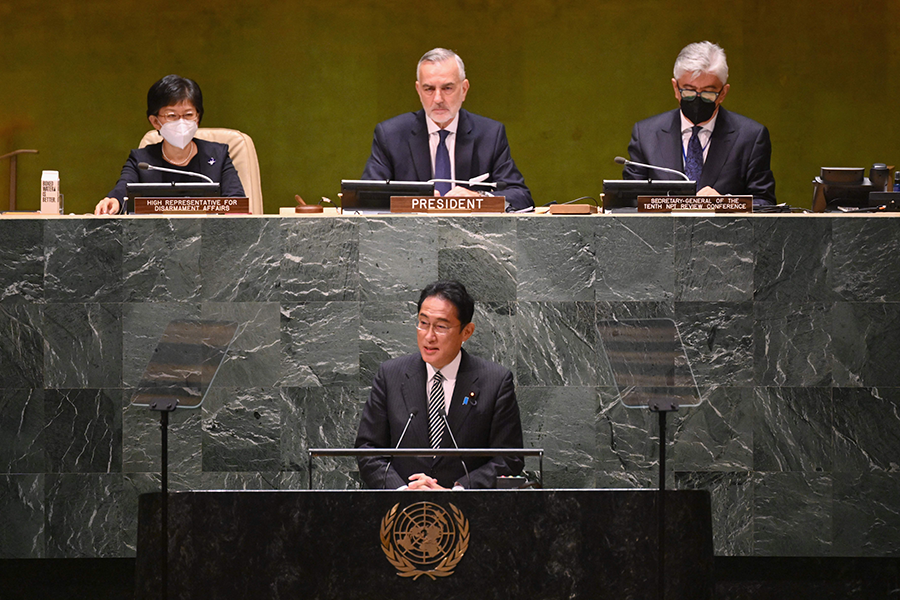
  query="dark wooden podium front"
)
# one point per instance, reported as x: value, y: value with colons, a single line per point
x: 531, y: 544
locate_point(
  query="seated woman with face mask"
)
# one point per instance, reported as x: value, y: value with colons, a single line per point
x: 174, y: 108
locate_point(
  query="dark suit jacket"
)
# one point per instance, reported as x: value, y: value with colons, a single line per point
x: 737, y: 161
x: 400, y: 152
x: 490, y: 419
x: 212, y: 160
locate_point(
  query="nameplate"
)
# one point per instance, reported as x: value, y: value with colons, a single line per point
x: 188, y: 206
x: 719, y: 204
x: 448, y: 204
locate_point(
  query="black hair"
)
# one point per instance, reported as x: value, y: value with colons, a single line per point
x: 172, y: 89
x: 453, y: 292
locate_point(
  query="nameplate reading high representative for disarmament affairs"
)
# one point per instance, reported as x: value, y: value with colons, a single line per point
x: 719, y: 204
x: 187, y: 206
x: 448, y: 204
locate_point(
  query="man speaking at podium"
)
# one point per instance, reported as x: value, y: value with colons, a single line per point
x: 441, y: 141
x: 724, y: 152
x: 415, y: 398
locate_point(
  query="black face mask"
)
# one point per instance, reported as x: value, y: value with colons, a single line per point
x: 697, y: 110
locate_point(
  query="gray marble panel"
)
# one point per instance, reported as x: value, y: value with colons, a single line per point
x: 241, y: 429
x: 22, y: 527
x: 718, y: 341
x: 143, y: 323
x: 84, y: 515
x: 233, y: 480
x: 21, y: 345
x: 635, y: 259
x: 481, y: 253
x: 865, y: 262
x: 792, y: 344
x: 867, y: 430
x: 320, y: 342
x: 320, y: 259
x: 732, y: 508
x: 83, y: 431
x: 866, y: 343
x: 141, y: 440
x: 161, y: 260
x: 714, y: 259
x: 83, y: 260
x: 562, y: 421
x: 793, y: 430
x: 398, y: 256
x: 866, y: 520
x: 325, y: 417
x: 254, y: 358
x: 792, y: 514
x: 718, y: 434
x: 240, y: 260
x: 22, y: 422
x: 22, y: 260
x: 133, y: 485
x: 793, y: 256
x: 82, y: 345
x: 558, y: 344
x: 495, y: 336
x: 386, y: 330
x: 556, y: 259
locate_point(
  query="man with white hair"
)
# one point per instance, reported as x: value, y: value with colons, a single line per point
x: 443, y: 141
x: 724, y: 152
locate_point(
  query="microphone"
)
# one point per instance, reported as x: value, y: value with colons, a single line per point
x: 626, y: 162
x: 453, y: 439
x: 148, y: 167
x: 412, y: 414
x: 475, y: 181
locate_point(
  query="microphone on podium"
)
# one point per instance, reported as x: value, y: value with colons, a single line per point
x: 399, y: 441
x: 148, y: 167
x: 626, y: 162
x: 443, y: 414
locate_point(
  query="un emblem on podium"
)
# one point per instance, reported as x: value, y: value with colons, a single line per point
x: 424, y: 539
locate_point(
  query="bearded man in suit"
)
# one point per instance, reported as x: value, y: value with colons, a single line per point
x: 443, y: 141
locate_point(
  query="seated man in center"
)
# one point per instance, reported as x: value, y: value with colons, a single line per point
x: 413, y: 395
x: 442, y: 141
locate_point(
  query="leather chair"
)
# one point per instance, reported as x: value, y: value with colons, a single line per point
x: 243, y: 155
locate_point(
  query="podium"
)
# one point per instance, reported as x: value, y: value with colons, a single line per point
x: 536, y: 544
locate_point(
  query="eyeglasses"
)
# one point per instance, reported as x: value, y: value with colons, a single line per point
x: 171, y: 117
x: 705, y: 96
x: 439, y: 329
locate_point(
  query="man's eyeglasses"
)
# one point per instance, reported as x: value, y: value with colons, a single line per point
x: 705, y: 96
x: 439, y: 329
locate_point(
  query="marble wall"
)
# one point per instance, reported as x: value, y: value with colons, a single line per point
x: 791, y: 324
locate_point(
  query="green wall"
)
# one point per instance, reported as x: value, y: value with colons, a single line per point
x: 309, y: 81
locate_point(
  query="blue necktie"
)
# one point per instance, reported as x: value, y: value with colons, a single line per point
x: 442, y: 164
x: 693, y: 160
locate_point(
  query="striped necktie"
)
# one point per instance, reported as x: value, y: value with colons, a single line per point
x: 442, y: 164
x: 435, y: 407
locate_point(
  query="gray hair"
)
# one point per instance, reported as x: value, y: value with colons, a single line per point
x: 702, y: 57
x: 439, y: 55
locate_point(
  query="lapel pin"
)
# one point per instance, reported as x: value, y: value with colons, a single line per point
x: 211, y: 160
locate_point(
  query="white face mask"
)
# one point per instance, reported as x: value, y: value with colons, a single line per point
x: 179, y: 133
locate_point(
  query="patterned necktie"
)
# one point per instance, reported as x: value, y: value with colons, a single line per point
x: 442, y: 164
x: 435, y: 406
x: 693, y: 160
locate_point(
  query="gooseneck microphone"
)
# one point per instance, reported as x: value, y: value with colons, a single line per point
x: 475, y: 181
x: 148, y: 167
x: 412, y: 414
x: 626, y: 162
x: 453, y: 439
